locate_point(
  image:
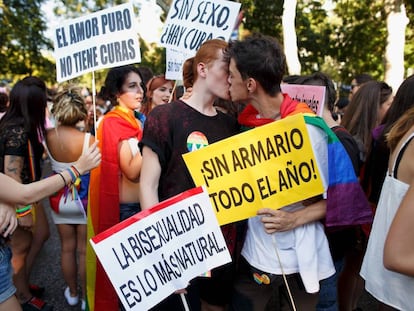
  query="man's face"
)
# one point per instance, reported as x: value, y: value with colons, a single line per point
x: 238, y: 86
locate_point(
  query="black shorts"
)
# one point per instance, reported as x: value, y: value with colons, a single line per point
x: 217, y: 289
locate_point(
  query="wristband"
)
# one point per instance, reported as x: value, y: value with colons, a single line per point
x: 23, y: 209
x: 63, y: 178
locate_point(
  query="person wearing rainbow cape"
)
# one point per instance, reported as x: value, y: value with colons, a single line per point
x: 300, y: 256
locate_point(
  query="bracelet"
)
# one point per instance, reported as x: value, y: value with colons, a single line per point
x: 74, y: 175
x: 76, y: 170
x: 23, y: 214
x: 63, y: 178
x: 23, y: 209
x: 27, y: 212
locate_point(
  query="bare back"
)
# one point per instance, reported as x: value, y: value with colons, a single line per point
x: 65, y: 143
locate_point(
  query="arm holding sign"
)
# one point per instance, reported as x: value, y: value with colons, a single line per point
x: 280, y: 220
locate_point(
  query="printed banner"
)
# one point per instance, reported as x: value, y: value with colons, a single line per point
x: 158, y: 251
x: 269, y: 166
x: 312, y: 95
x: 191, y: 22
x: 103, y: 39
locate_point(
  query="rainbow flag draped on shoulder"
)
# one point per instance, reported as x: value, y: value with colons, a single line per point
x: 103, y: 204
x: 347, y: 204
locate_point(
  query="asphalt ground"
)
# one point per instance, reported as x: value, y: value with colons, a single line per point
x: 47, y: 273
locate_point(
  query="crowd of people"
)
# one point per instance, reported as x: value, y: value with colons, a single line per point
x: 317, y: 254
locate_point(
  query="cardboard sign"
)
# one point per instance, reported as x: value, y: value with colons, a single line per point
x: 103, y: 39
x: 312, y: 95
x: 158, y: 251
x: 191, y: 22
x: 270, y: 166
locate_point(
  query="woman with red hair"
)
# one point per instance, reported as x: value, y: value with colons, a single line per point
x: 159, y: 91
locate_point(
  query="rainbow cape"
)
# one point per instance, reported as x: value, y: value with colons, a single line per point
x: 103, y: 205
x: 346, y: 202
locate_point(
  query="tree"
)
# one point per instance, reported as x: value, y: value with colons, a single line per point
x: 22, y: 40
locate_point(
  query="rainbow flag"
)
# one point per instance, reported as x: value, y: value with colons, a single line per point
x: 347, y: 203
x: 103, y: 204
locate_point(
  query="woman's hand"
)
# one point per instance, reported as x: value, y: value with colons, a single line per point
x: 89, y: 160
x: 8, y: 220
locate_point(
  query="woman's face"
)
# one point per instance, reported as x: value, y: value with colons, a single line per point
x: 162, y: 94
x: 217, y: 76
x: 384, y: 108
x: 131, y: 94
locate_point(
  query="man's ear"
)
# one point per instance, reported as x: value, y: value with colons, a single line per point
x: 202, y: 69
x: 251, y: 85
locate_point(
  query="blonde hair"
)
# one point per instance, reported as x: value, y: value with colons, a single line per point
x: 69, y: 106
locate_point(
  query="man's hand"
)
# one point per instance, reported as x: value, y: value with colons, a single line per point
x: 277, y: 220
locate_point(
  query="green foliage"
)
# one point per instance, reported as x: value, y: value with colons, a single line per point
x: 263, y: 16
x: 359, y: 38
x: 22, y: 40
x: 350, y: 40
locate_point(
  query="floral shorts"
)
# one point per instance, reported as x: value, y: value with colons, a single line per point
x: 7, y: 288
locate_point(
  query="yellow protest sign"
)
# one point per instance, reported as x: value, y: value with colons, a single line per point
x: 269, y: 166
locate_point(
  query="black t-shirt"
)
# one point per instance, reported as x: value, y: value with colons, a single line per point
x: 176, y: 128
x: 14, y: 142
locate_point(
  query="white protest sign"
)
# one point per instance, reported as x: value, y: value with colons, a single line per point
x: 158, y: 251
x: 174, y: 64
x: 103, y: 39
x: 191, y: 22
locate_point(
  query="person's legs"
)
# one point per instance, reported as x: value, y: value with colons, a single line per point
x: 216, y: 291
x: 20, y: 244
x: 328, y: 293
x: 8, y: 301
x: 249, y: 295
x: 11, y: 304
x: 301, y: 299
x: 41, y: 233
x: 349, y: 281
x: 81, y: 247
x: 68, y: 240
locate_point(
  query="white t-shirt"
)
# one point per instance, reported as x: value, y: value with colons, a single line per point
x: 304, y: 249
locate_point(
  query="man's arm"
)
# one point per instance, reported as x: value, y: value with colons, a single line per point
x: 150, y: 177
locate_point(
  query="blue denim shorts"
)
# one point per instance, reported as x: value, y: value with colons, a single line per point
x: 127, y: 210
x: 7, y: 288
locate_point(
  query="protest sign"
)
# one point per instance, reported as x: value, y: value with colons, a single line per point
x: 191, y: 22
x: 174, y: 64
x: 312, y: 95
x: 103, y: 39
x: 270, y: 166
x: 158, y: 251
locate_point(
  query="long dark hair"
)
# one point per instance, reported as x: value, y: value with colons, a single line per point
x: 28, y: 102
x: 115, y: 79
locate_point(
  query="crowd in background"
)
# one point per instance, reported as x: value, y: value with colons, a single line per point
x: 143, y: 123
